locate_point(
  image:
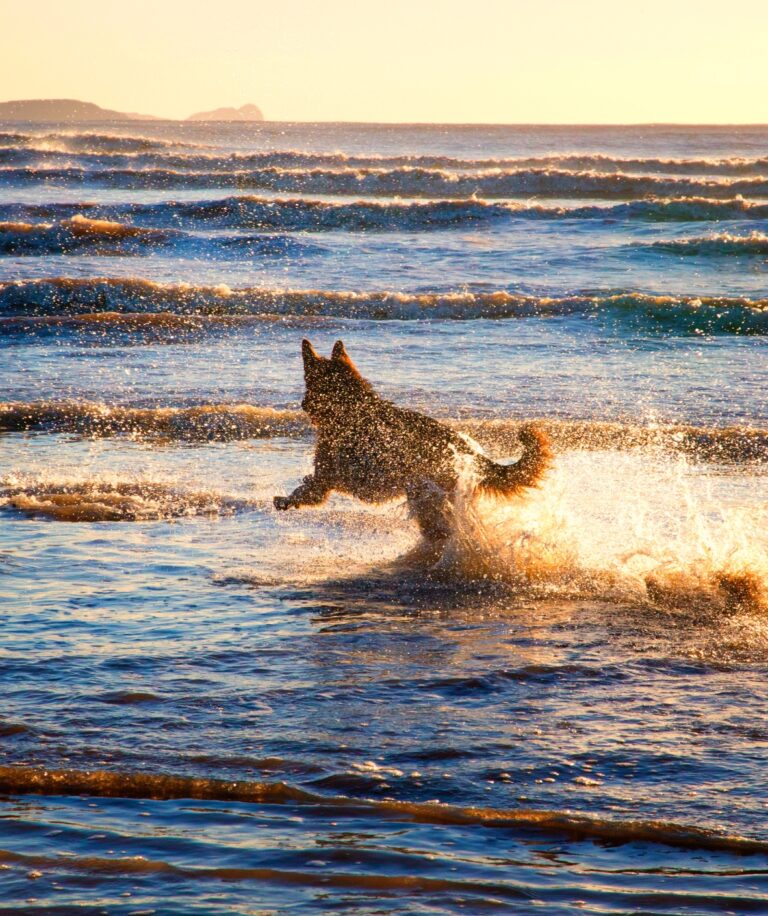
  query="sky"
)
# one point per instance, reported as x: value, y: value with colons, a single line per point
x: 466, y: 61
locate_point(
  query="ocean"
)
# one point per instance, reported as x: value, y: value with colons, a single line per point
x: 214, y: 708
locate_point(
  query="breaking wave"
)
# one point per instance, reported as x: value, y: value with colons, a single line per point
x: 215, y: 422
x: 78, y: 234
x: 63, y: 296
x: 82, y: 235
x: 26, y: 780
x: 402, y: 181
x: 78, y: 142
x: 733, y: 444
x: 232, y: 422
x: 155, y: 326
x: 299, y: 214
x: 756, y: 243
x: 667, y: 209
x: 111, y: 501
x: 102, y: 150
x: 295, y: 214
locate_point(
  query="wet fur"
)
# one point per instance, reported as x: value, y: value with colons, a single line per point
x: 374, y: 450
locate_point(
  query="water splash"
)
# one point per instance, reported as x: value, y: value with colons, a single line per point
x: 618, y: 527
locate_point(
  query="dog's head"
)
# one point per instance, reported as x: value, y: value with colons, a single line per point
x: 334, y: 386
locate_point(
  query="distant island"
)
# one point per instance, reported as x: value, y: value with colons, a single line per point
x: 63, y: 110
x: 244, y: 113
x: 70, y: 110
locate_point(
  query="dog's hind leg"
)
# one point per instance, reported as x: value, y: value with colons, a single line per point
x: 432, y: 509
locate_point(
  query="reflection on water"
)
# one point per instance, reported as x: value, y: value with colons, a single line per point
x: 210, y: 707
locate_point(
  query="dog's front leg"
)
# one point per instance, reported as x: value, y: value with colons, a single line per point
x: 311, y: 492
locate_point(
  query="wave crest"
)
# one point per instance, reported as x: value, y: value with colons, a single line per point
x: 682, y: 314
x: 95, y: 149
x: 76, y: 235
x: 26, y: 780
x: 209, y: 423
x: 755, y: 244
x: 299, y: 214
x: 88, y: 141
x: 402, y: 181
x: 231, y: 422
x: 83, y: 235
x: 111, y: 501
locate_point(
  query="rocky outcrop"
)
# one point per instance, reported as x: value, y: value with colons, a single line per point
x: 244, y: 113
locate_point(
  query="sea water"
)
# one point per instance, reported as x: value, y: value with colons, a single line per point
x: 209, y: 707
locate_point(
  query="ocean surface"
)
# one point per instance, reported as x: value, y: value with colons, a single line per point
x: 212, y: 708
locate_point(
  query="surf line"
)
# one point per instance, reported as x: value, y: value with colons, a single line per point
x: 18, y: 780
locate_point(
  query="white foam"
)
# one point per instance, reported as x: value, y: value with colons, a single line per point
x: 617, y: 525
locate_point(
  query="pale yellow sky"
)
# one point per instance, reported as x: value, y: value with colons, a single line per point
x: 499, y: 61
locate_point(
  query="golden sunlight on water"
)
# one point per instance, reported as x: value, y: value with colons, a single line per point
x: 212, y: 707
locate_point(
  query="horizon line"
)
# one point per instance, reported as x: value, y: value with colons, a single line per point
x: 154, y: 119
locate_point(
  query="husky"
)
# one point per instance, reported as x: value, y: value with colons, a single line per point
x: 372, y: 449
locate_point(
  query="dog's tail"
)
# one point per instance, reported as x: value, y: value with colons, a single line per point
x: 506, y: 479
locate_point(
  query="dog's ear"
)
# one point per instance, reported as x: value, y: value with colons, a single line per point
x: 341, y: 358
x: 311, y: 357
x: 338, y: 351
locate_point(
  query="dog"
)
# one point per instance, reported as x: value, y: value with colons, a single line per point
x: 372, y: 449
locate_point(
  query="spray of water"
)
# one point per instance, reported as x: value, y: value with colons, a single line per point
x: 619, y: 527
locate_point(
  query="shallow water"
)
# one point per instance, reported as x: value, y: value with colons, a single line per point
x: 210, y: 707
